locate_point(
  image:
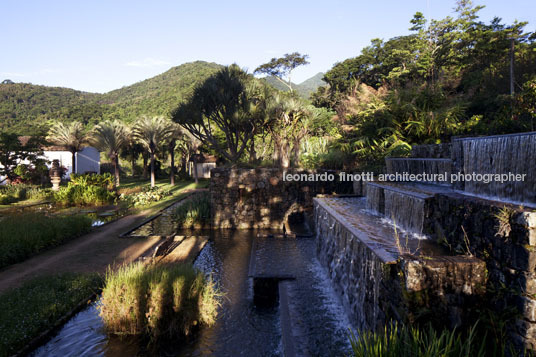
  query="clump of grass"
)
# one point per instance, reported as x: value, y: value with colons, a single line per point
x: 157, y: 301
x: 27, y: 311
x: 194, y: 212
x: 504, y: 216
x: 24, y: 235
x: 401, y: 340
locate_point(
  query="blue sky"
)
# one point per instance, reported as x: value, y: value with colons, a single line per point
x: 99, y: 45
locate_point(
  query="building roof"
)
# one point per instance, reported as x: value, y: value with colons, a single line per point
x: 202, y: 158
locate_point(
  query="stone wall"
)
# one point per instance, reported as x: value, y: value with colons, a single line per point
x: 510, y: 257
x: 411, y: 289
x: 260, y: 198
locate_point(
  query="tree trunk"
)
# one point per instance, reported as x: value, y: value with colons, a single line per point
x: 252, y: 152
x: 145, y: 158
x: 73, y: 162
x: 284, y: 155
x: 116, y: 170
x: 172, y: 168
x: 133, y: 164
x: 196, y: 178
x: 153, y: 181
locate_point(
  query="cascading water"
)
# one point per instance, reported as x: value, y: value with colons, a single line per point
x: 501, y: 155
x: 419, y: 166
x: 375, y: 199
x: 405, y: 210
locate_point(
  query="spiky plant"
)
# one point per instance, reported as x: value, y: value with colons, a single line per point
x: 152, y: 132
x: 110, y: 137
x: 71, y: 136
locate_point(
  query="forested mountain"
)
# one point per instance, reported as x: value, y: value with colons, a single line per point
x: 157, y: 95
x: 26, y: 108
x: 304, y: 89
x: 447, y: 77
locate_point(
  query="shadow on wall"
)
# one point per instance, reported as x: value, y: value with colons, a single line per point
x: 261, y: 199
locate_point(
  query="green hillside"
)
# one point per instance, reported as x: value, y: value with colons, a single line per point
x: 25, y: 108
x: 304, y: 89
x: 157, y: 95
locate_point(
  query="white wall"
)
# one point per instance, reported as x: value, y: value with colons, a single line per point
x: 203, y: 169
x: 87, y: 160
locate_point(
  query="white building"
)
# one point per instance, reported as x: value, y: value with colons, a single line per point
x: 86, y: 160
x: 205, y: 163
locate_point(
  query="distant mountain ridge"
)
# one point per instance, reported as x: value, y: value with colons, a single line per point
x: 26, y: 108
x: 304, y: 88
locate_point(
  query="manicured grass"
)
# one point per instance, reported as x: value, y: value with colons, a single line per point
x: 159, y: 301
x: 24, y: 235
x: 28, y: 311
x: 129, y: 182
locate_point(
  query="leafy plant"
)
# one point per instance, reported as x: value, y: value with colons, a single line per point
x: 144, y: 197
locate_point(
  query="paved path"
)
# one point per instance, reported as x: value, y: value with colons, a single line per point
x: 92, y: 252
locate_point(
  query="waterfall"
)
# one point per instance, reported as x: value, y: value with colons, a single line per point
x: 405, y: 210
x: 375, y: 198
x: 419, y: 166
x: 502, y: 155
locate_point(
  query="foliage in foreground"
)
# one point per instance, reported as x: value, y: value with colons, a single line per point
x: 86, y: 190
x: 27, y: 311
x: 157, y: 301
x: 194, y: 211
x: 401, y: 340
x: 143, y: 196
x: 22, y: 236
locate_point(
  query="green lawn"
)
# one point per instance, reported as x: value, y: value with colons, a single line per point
x: 129, y: 182
x: 28, y: 311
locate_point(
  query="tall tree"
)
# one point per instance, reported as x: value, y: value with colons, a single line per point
x: 282, y: 67
x: 13, y: 152
x: 152, y: 132
x: 132, y: 151
x: 218, y: 113
x: 71, y: 136
x: 111, y: 137
x: 288, y: 126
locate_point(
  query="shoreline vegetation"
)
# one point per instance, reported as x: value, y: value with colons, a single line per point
x: 38, y: 304
x: 158, y: 301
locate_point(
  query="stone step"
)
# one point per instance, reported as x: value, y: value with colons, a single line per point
x: 406, y: 205
x: 436, y: 171
x: 375, y: 232
x: 182, y: 249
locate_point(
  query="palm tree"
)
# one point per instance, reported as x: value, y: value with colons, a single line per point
x: 72, y: 136
x: 288, y: 127
x: 111, y: 137
x: 176, y: 134
x: 152, y: 132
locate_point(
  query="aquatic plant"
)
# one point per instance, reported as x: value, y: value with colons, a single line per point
x: 158, y: 301
x: 194, y: 211
x: 401, y: 340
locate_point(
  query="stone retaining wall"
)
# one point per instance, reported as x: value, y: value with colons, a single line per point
x: 439, y: 289
x: 260, y: 198
x: 510, y: 258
